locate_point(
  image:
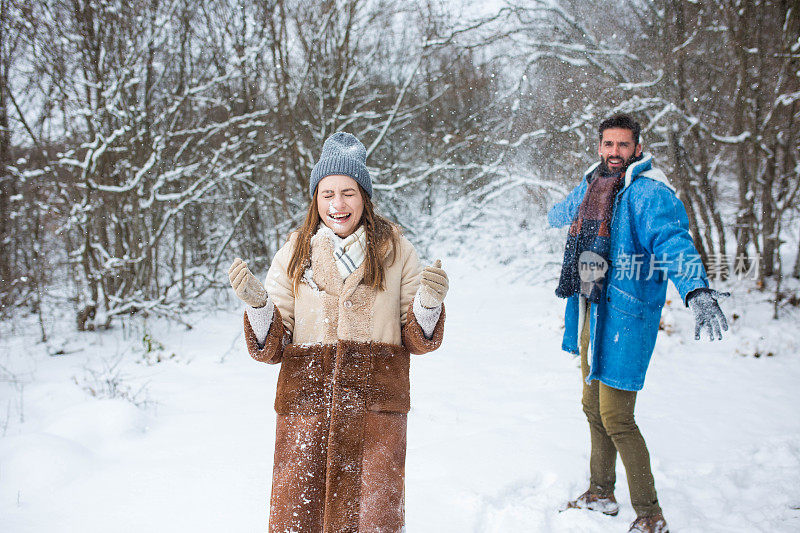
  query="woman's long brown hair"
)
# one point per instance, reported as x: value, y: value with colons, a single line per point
x: 381, y: 238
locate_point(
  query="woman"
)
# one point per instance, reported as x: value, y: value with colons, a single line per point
x: 344, y: 305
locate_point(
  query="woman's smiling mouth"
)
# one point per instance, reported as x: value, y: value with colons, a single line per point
x: 339, y: 218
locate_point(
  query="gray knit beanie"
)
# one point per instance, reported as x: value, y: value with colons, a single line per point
x: 342, y: 154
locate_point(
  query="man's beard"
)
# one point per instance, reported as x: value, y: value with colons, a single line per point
x: 606, y: 171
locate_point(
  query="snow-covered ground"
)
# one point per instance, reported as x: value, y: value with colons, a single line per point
x: 108, y: 438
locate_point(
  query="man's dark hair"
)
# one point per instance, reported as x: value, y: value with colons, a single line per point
x: 621, y: 120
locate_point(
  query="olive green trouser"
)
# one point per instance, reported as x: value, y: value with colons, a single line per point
x: 613, y: 429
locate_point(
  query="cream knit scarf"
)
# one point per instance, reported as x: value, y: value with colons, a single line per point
x: 349, y: 252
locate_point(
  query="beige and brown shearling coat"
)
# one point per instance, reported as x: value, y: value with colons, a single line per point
x: 343, y: 391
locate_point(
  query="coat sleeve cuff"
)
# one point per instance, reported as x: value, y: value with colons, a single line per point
x: 271, y: 350
x: 414, y: 337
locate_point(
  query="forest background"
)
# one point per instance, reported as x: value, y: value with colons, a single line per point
x: 145, y: 143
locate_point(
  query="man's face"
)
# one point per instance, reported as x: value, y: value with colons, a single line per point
x: 617, y: 149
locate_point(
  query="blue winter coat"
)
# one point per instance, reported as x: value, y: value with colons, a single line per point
x: 650, y: 228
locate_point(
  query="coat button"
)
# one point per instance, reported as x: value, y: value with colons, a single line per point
x: 348, y: 304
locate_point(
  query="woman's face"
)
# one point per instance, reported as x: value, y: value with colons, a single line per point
x: 340, y: 204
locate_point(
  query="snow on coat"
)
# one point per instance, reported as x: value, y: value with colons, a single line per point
x: 650, y: 243
x: 343, y: 391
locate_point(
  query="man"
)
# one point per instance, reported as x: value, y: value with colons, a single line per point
x: 628, y: 234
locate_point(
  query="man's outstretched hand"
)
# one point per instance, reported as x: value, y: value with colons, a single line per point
x: 707, y: 314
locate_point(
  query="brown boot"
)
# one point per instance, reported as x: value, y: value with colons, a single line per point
x: 594, y: 502
x: 649, y: 524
